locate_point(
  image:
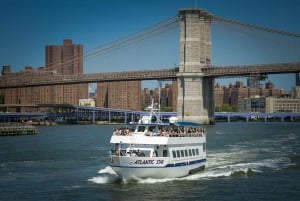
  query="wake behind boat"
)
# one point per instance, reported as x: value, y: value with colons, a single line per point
x: 150, y: 148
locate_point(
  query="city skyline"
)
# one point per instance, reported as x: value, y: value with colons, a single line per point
x: 31, y: 25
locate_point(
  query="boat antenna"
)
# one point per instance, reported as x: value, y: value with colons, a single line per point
x: 159, y: 88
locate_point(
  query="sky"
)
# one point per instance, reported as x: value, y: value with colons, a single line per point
x: 27, y: 26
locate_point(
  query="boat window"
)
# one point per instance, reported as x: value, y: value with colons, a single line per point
x: 174, y: 154
x: 204, y: 147
x: 155, y: 153
x: 186, y: 153
x: 190, y: 152
x: 165, y: 153
x: 152, y: 128
x: 178, y: 153
x: 197, y: 152
x: 193, y: 150
x: 141, y: 128
x: 123, y: 152
x: 182, y: 153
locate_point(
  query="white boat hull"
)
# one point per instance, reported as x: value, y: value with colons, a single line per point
x: 169, y: 170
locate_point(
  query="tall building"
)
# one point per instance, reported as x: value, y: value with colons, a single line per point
x: 233, y: 93
x: 297, y: 79
x: 119, y: 95
x: 167, y: 96
x: 63, y: 60
x: 5, y: 70
x: 66, y: 59
x: 252, y: 82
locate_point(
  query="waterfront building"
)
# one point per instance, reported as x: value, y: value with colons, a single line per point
x: 219, y: 94
x: 274, y: 105
x: 124, y: 95
x: 297, y: 79
x: 233, y: 94
x: 295, y: 92
x: 252, y: 82
x: 167, y: 96
x: 271, y: 104
x: 89, y: 102
x: 64, y: 60
x: 253, y: 104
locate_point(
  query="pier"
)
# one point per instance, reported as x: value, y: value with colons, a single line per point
x: 17, y: 129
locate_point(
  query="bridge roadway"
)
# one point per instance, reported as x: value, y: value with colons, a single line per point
x: 43, y: 79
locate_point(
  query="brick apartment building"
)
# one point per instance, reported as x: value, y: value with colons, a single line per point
x: 129, y: 95
x: 66, y: 59
x: 124, y: 95
x: 63, y: 59
x: 230, y: 94
x: 168, y: 96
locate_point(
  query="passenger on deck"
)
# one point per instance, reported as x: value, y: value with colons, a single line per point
x: 139, y: 153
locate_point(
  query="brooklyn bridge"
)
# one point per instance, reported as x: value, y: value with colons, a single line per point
x: 195, y: 73
x: 163, y: 74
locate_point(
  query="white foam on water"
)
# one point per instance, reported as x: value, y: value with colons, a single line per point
x: 155, y: 181
x: 226, y: 170
x: 106, y: 176
x: 108, y: 170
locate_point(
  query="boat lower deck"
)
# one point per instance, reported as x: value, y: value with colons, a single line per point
x: 151, y: 168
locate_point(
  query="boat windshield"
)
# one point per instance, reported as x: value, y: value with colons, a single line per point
x: 139, y: 152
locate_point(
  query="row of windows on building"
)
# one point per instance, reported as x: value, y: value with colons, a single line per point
x: 268, y: 105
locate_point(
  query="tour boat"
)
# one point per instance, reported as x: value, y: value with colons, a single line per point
x: 151, y: 148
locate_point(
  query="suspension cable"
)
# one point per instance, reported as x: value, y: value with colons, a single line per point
x: 139, y: 36
x: 286, y: 33
x: 160, y: 27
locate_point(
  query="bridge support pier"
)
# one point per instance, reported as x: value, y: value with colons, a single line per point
x: 195, y: 98
x: 195, y: 91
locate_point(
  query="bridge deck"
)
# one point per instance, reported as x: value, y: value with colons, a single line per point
x: 42, y: 79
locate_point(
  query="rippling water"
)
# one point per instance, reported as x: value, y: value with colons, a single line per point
x: 245, y: 161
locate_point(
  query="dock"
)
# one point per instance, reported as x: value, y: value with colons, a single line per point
x: 16, y: 129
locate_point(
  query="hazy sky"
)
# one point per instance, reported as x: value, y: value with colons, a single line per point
x: 27, y: 26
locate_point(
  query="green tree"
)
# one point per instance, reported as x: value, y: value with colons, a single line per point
x: 166, y: 109
x: 226, y: 108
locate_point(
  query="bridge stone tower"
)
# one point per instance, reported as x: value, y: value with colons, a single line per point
x: 195, y: 92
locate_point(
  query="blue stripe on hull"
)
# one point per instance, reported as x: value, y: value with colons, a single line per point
x: 186, y: 163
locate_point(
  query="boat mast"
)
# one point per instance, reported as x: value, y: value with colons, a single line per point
x: 159, y: 88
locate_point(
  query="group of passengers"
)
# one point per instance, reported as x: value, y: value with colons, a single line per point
x: 168, y: 131
x: 180, y: 132
x: 123, y: 153
x: 121, y: 131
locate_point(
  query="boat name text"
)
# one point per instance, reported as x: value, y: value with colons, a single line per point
x: 148, y: 162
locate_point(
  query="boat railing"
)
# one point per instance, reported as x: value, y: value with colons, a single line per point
x: 191, y: 132
x: 167, y: 134
x: 125, y: 131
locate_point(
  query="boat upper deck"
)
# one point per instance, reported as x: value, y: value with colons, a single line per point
x: 159, y: 134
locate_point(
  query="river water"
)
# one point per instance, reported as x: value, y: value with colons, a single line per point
x: 245, y: 161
